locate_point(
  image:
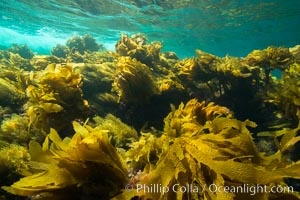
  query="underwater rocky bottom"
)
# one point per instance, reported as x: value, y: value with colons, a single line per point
x: 138, y: 123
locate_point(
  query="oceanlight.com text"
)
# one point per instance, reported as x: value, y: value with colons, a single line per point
x: 192, y: 188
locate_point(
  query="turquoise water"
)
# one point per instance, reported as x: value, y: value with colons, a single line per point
x: 219, y: 27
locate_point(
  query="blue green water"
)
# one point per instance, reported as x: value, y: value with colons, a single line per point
x: 219, y: 27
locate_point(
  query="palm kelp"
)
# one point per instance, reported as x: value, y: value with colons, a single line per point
x: 203, y: 146
x: 133, y: 81
x: 55, y: 98
x: 87, y: 161
x: 76, y: 47
x: 121, y: 141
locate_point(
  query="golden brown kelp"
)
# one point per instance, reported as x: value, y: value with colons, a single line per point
x: 269, y: 59
x: 133, y: 81
x: 86, y: 43
x: 23, y: 50
x: 97, y: 81
x: 86, y: 165
x: 10, y: 93
x: 55, y: 98
x: 14, y: 61
x: 285, y: 92
x: 76, y: 47
x: 60, y: 51
x: 13, y: 84
x: 13, y: 163
x: 272, y: 57
x: 99, y: 57
x: 40, y: 62
x: 15, y: 130
x: 190, y: 118
x: 120, y: 133
x: 201, y: 68
x: 295, y: 51
x: 136, y: 47
x: 207, y: 67
x: 14, y: 158
x: 198, y: 145
x: 210, y: 151
x: 219, y: 79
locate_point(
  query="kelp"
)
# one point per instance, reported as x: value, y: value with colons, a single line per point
x: 145, y: 153
x: 15, y: 61
x: 60, y: 51
x: 295, y: 51
x: 207, y: 66
x: 201, y: 67
x: 15, y: 130
x: 196, y: 145
x: 270, y: 59
x: 120, y: 133
x: 217, y: 77
x: 40, y: 62
x: 55, y: 97
x: 136, y: 47
x: 87, y: 161
x: 133, y: 81
x: 221, y: 153
x: 189, y: 119
x: 285, y: 92
x: 23, y: 50
x: 97, y: 57
x: 76, y: 48
x: 13, y: 158
x: 84, y: 43
x: 10, y: 93
x: 97, y: 79
x: 285, y: 139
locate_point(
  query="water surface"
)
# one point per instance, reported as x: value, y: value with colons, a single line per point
x: 217, y: 26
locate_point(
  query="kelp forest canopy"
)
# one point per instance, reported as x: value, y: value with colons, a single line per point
x: 89, y: 123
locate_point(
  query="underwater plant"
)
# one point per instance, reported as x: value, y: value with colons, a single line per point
x: 10, y: 93
x: 97, y: 81
x: 13, y: 163
x: 90, y: 43
x: 55, y: 98
x: 15, y: 130
x: 269, y: 59
x: 212, y: 149
x: 22, y: 50
x: 40, y: 62
x: 60, y: 51
x: 295, y: 51
x: 76, y: 47
x: 285, y: 92
x: 120, y: 133
x: 132, y: 137
x: 82, y: 44
x: 86, y: 165
x: 99, y: 57
x: 133, y: 81
x: 14, y: 158
x: 229, y: 81
x: 14, y: 61
x: 189, y: 119
x: 75, y: 44
x: 136, y: 47
x: 206, y: 67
